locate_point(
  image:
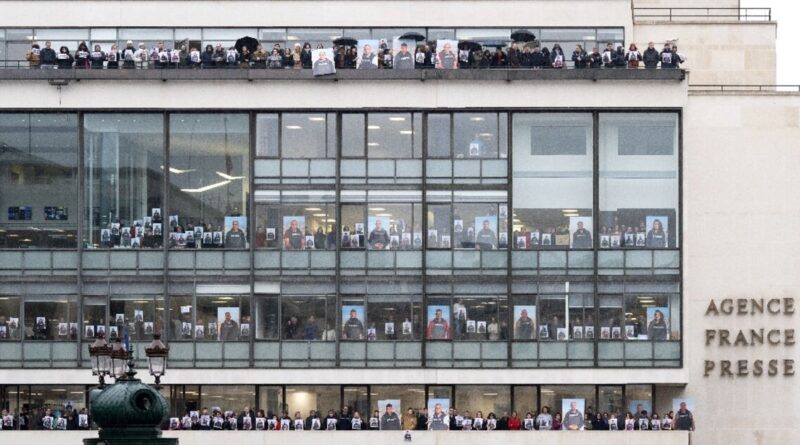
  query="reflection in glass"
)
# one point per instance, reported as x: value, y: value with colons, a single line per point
x: 552, y: 171
x: 209, y: 181
x: 639, y: 180
x: 124, y: 174
x: 38, y: 180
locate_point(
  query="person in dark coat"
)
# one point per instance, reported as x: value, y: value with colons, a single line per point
x: 651, y: 56
x: 82, y: 56
x: 619, y: 58
x: 64, y: 58
x: 48, y: 56
x: 595, y: 58
x: 579, y: 57
x: 538, y: 58
x: 667, y: 57
x: 207, y: 58
x: 305, y: 56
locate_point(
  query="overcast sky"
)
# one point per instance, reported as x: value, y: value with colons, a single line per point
x: 787, y: 14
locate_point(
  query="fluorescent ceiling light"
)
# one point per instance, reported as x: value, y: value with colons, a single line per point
x: 377, y: 209
x: 294, y: 127
x: 313, y: 209
x: 406, y: 132
x: 476, y: 119
x: 374, y: 127
x: 486, y: 135
x: 373, y: 144
x: 229, y: 177
x: 178, y: 171
x: 397, y: 119
x: 206, y: 188
x: 320, y: 214
x: 570, y: 210
x: 316, y: 119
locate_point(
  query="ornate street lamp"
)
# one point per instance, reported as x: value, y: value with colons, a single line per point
x: 157, y: 354
x: 119, y: 360
x: 100, y: 355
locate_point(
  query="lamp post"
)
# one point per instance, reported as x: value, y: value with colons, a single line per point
x: 157, y: 354
x: 100, y: 355
x: 128, y: 412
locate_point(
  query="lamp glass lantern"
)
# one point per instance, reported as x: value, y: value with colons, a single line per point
x: 157, y: 353
x: 119, y: 360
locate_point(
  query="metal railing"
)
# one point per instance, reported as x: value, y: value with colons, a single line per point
x: 745, y: 88
x: 25, y: 65
x: 703, y: 14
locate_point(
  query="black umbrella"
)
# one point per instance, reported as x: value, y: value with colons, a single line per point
x: 248, y: 42
x: 345, y: 41
x: 412, y: 36
x: 468, y: 45
x: 522, y: 35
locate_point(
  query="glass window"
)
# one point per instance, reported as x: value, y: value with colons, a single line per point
x: 270, y: 399
x: 209, y: 178
x: 479, y: 226
x: 309, y: 317
x: 526, y: 401
x: 392, y: 135
x: 639, y: 151
x: 581, y: 317
x: 38, y: 180
x: 610, y: 401
x: 228, y: 397
x: 553, y: 174
x: 610, y: 317
x: 51, y: 317
x: 182, y: 318
x: 639, y: 398
x: 477, y: 135
x: 439, y: 135
x: 357, y: 398
x: 524, y: 318
x: 267, y: 324
x: 557, y: 398
x: 305, y: 135
x: 439, y: 395
x: 353, y: 135
x: 353, y: 230
x: 552, y: 317
x: 267, y: 135
x: 353, y: 321
x: 483, y: 399
x: 650, y: 317
x: 410, y: 398
x: 94, y: 319
x: 10, y: 327
x: 306, y: 220
x: 223, y: 318
x: 393, y: 226
x: 124, y: 179
x: 319, y: 398
x: 480, y: 318
x: 394, y: 317
x: 54, y: 398
x: 137, y: 315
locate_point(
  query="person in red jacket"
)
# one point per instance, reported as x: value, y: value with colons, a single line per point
x: 514, y: 422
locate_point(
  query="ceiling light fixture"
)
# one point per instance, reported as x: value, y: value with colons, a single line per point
x: 206, y: 188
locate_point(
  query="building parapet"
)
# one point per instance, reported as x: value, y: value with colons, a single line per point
x: 65, y: 76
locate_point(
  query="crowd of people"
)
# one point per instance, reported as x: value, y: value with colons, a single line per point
x: 440, y: 419
x: 529, y: 55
